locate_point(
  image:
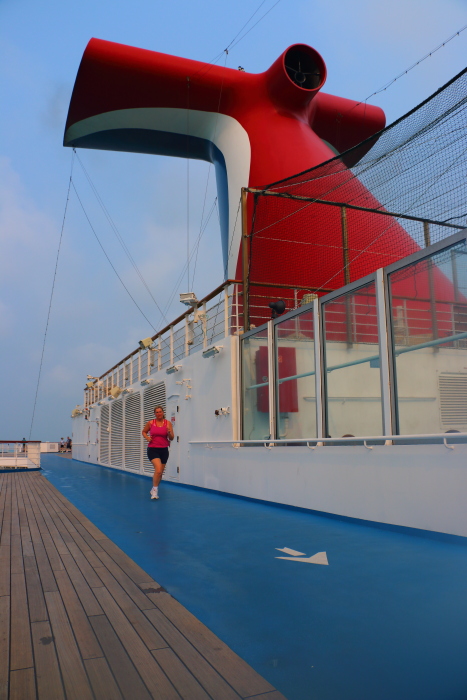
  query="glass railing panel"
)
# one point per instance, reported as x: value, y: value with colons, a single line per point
x: 295, y: 371
x: 351, y: 364
x: 428, y: 302
x: 255, y: 386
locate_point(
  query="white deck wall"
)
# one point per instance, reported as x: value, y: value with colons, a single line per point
x: 417, y: 486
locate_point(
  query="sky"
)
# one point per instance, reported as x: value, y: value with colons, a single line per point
x: 93, y: 322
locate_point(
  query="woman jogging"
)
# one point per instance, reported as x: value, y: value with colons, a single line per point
x: 158, y: 433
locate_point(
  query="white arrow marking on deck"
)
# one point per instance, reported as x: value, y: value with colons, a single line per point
x: 293, y: 552
x: 319, y: 558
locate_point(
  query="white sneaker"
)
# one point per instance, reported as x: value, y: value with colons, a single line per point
x: 154, y: 493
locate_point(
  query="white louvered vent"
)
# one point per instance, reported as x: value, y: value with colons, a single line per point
x: 133, y: 437
x: 453, y: 400
x: 104, y: 436
x: 153, y: 396
x: 116, y: 435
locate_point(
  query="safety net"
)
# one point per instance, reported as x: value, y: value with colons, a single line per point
x: 389, y: 196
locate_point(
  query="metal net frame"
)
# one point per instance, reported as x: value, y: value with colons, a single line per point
x: 393, y: 194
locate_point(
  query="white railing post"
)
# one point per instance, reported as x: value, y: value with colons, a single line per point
x: 384, y: 353
x: 123, y: 432
x: 226, y: 310
x: 236, y: 389
x: 159, y: 355
x: 186, y: 335
x: 272, y: 381
x: 139, y: 366
x: 318, y: 369
x: 171, y: 345
x: 205, y: 326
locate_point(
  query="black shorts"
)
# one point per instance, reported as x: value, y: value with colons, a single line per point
x: 161, y: 453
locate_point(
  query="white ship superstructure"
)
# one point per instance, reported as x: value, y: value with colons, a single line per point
x: 346, y: 405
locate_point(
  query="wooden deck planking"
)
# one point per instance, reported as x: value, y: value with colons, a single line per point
x: 74, y: 675
x: 231, y: 667
x: 4, y: 645
x: 102, y: 681
x: 5, y: 569
x: 80, y: 619
x: 142, y: 625
x: 85, y: 637
x: 22, y: 684
x: 20, y: 631
x: 208, y: 677
x: 48, y: 678
x: 36, y: 600
x: 184, y: 682
x: 128, y: 679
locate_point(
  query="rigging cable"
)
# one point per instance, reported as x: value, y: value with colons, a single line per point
x: 231, y: 45
x: 255, y: 24
x: 109, y: 260
x: 200, y: 234
x: 414, y: 65
x: 404, y: 72
x: 188, y: 181
x: 177, y: 283
x: 51, y: 295
x: 233, y: 235
x: 245, y: 25
x: 226, y: 264
x: 118, y: 234
x: 201, y: 223
x: 226, y: 52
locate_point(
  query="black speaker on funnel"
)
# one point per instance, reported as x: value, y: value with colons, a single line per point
x: 277, y: 308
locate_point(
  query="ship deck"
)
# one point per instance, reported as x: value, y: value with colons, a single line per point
x: 80, y: 619
x: 386, y: 618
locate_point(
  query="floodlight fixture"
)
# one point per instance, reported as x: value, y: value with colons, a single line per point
x: 145, y: 382
x: 214, y: 350
x: 127, y: 391
x: 189, y: 299
x: 115, y: 392
x: 146, y: 344
x: 174, y: 368
x: 89, y: 385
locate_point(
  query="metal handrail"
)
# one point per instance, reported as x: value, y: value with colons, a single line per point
x: 304, y: 441
x: 9, y: 442
x: 363, y: 360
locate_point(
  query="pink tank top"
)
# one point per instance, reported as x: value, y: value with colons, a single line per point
x: 159, y: 435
